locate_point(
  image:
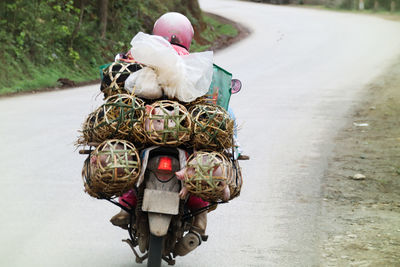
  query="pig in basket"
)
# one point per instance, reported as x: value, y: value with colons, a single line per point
x: 120, y: 117
x: 111, y: 169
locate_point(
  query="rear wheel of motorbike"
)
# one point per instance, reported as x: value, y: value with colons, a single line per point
x: 155, y: 251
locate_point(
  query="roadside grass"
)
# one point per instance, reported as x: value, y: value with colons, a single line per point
x: 27, y: 76
x: 44, y: 77
x: 215, y: 30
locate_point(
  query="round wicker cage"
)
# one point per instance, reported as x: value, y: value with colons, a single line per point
x: 114, y: 77
x: 111, y: 170
x: 207, y: 175
x: 121, y: 117
x: 87, y: 131
x: 235, y: 181
x: 212, y: 127
x: 167, y: 123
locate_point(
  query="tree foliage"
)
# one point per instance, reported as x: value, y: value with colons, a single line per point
x: 78, y: 34
x: 384, y: 5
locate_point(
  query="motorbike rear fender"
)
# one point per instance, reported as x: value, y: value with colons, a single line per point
x: 160, y: 205
x: 159, y: 223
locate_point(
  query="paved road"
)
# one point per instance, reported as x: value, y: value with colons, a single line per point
x: 302, y: 70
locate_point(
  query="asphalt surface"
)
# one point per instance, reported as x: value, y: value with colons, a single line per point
x: 301, y: 71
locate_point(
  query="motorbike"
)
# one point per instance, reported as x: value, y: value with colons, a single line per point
x: 160, y: 218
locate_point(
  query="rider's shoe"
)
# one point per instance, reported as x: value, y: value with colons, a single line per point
x: 121, y: 219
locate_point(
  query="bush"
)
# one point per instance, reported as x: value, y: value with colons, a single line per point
x: 64, y: 37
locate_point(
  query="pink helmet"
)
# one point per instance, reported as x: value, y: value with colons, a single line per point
x: 174, y: 27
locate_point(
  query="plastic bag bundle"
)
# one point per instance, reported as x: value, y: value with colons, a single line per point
x: 144, y: 83
x: 182, y: 77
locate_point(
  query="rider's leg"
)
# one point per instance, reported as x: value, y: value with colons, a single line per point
x: 122, y: 219
x: 200, y: 220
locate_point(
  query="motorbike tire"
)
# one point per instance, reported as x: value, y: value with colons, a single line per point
x: 155, y: 251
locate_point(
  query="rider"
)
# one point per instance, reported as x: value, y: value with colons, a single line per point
x: 177, y: 29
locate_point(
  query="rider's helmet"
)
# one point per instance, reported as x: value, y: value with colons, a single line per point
x: 176, y: 28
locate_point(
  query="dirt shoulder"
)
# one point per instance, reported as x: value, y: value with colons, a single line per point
x: 361, y: 214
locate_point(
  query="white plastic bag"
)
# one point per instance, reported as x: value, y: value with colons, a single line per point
x: 182, y: 77
x: 144, y: 83
x: 199, y: 71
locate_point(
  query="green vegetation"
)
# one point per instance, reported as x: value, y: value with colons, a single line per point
x: 42, y: 41
x: 375, y: 5
x: 380, y: 13
x: 213, y: 31
x: 384, y: 7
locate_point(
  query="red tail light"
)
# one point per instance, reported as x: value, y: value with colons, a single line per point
x: 165, y: 164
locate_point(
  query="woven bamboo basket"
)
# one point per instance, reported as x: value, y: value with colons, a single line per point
x: 212, y: 127
x: 114, y: 77
x: 203, y: 100
x: 207, y: 175
x: 121, y: 117
x: 87, y: 132
x: 167, y: 123
x: 235, y: 181
x: 111, y: 170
